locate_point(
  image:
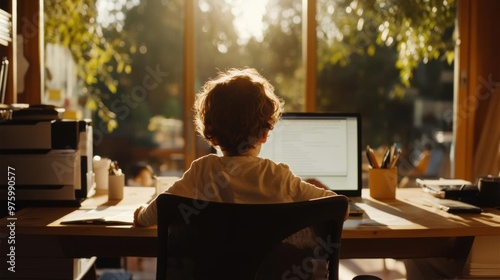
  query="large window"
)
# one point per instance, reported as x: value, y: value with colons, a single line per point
x: 358, y: 70
x: 378, y: 59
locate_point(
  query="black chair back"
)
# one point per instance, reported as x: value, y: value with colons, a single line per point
x: 211, y: 240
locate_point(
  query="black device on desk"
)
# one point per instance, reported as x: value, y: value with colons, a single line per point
x: 456, y: 207
x: 465, y: 193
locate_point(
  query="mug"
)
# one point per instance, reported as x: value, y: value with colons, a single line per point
x: 489, y: 191
x: 100, y: 167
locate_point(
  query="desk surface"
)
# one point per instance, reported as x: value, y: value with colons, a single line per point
x: 46, y: 220
x: 407, y: 216
x: 404, y: 227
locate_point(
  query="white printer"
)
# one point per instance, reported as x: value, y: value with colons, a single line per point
x: 52, y: 159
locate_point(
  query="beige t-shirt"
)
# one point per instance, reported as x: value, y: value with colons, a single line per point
x: 238, y: 179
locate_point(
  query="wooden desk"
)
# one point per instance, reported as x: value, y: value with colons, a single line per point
x: 408, y: 227
x: 42, y: 243
x: 404, y: 227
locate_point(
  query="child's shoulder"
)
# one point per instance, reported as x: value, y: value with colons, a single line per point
x: 274, y: 164
x: 213, y: 158
x: 207, y: 158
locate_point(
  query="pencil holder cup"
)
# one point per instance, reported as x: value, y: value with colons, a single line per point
x: 383, y: 182
x: 115, y: 188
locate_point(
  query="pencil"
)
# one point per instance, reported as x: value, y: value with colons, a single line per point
x: 371, y: 154
x: 386, y: 160
x: 395, y: 159
x: 368, y: 157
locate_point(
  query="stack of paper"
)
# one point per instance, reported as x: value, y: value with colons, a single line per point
x: 484, y: 258
x: 437, y: 187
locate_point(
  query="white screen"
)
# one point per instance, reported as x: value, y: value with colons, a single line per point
x: 322, y: 146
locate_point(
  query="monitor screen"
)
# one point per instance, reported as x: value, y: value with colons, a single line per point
x: 323, y: 146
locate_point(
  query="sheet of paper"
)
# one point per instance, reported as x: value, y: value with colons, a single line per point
x: 377, y: 218
x: 111, y: 214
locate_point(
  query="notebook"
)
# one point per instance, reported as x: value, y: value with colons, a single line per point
x: 101, y: 215
x: 323, y: 146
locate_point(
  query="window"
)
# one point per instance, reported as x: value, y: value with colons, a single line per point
x: 263, y: 34
x: 356, y: 71
x: 360, y: 69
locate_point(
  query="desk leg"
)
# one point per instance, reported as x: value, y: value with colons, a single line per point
x: 462, y: 247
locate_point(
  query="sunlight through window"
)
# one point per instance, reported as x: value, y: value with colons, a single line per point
x: 248, y: 19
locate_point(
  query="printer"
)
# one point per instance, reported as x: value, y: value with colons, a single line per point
x: 51, y: 159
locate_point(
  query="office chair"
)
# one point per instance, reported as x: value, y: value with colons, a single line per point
x: 211, y: 240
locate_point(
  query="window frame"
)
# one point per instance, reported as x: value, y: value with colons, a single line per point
x: 466, y: 65
x: 462, y: 152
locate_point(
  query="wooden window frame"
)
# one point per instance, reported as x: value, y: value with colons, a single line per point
x: 469, y: 63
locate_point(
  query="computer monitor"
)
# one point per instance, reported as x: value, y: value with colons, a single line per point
x: 323, y: 146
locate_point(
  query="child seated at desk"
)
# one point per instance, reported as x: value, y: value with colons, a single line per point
x: 140, y: 174
x: 236, y: 111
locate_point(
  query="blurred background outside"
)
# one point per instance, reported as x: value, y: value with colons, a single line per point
x: 369, y: 60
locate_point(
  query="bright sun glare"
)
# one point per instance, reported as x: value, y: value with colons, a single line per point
x: 248, y: 15
x: 248, y: 18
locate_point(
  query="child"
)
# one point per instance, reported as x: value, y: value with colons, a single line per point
x: 140, y: 174
x: 235, y: 112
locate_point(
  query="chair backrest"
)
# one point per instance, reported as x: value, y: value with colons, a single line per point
x: 212, y: 240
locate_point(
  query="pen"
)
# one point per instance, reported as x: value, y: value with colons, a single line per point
x: 386, y: 161
x: 395, y: 159
x: 393, y: 150
x: 371, y: 157
x: 368, y: 157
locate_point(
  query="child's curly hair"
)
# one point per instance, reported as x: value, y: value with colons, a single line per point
x: 234, y: 110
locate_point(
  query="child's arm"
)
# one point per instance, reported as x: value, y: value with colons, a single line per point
x: 322, y: 186
x: 136, y: 215
x: 146, y: 216
x: 317, y: 183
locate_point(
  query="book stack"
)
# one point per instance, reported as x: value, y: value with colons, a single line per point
x: 5, y: 28
x: 484, y: 259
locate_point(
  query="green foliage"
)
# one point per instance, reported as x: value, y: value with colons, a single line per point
x: 400, y: 33
x: 418, y: 28
x: 73, y: 24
